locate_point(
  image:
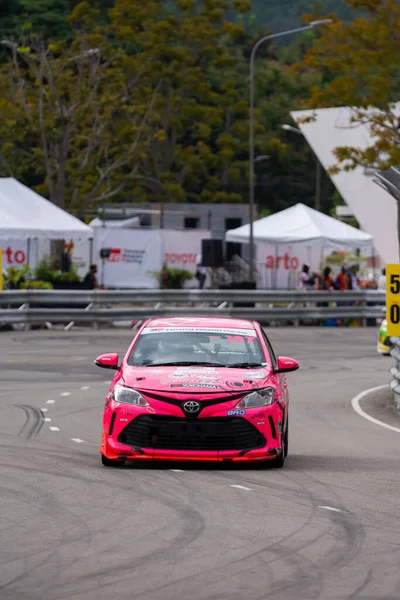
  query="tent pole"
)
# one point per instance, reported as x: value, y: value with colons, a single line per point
x: 373, y: 262
x: 90, y: 251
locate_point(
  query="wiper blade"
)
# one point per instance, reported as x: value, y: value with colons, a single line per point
x: 245, y: 365
x: 185, y: 363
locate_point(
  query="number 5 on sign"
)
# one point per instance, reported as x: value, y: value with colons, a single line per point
x: 393, y: 300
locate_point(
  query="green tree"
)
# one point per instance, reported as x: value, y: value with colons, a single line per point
x: 200, y: 117
x: 46, y: 17
x: 73, y: 115
x: 360, y: 63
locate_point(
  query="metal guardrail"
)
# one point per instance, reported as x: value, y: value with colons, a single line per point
x: 138, y: 296
x: 36, y: 307
x: 395, y: 370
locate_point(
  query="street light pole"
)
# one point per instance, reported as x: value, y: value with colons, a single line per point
x: 266, y: 38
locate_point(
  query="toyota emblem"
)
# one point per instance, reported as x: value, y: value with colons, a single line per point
x: 191, y: 407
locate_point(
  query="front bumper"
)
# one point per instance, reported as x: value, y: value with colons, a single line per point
x: 217, y: 439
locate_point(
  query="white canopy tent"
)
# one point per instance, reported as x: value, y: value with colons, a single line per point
x: 29, y: 222
x: 286, y: 240
x: 301, y: 224
x: 23, y: 213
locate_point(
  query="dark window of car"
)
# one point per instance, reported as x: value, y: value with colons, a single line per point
x: 217, y: 347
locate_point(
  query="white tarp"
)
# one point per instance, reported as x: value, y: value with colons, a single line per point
x: 182, y: 248
x: 135, y: 256
x: 301, y: 224
x: 372, y: 206
x: 24, y: 214
x: 278, y: 265
x: 15, y: 252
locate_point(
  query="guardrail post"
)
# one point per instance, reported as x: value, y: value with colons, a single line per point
x: 95, y: 324
x: 364, y: 306
x: 24, y: 307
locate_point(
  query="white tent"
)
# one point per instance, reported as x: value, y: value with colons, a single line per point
x: 301, y: 224
x: 25, y: 214
x: 131, y: 223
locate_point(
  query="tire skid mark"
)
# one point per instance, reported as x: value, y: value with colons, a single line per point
x: 74, y: 530
x: 191, y: 526
x: 35, y: 420
x: 311, y: 573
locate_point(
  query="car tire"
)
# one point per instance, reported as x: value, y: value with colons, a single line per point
x: 287, y: 439
x: 108, y: 462
x: 278, y: 462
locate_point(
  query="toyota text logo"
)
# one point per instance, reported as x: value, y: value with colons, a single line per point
x: 191, y: 407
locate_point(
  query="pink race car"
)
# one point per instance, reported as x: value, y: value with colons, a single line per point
x: 198, y: 389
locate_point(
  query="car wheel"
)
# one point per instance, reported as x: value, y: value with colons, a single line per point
x: 278, y: 462
x: 108, y: 462
x: 287, y: 439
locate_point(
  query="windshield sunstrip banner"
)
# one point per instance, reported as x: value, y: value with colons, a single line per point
x: 206, y: 330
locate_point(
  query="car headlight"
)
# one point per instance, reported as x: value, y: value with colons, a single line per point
x: 257, y: 398
x: 126, y: 395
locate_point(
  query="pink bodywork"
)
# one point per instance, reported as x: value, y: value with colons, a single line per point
x: 200, y: 384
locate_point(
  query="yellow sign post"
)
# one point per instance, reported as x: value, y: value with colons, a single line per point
x: 393, y: 300
x: 1, y: 269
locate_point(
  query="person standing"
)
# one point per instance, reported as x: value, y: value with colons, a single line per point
x: 306, y: 279
x: 90, y: 279
x: 201, y: 275
x: 342, y: 280
x: 325, y: 281
x: 354, y: 282
x: 382, y: 280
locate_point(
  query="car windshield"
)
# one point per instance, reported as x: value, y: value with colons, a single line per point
x: 156, y: 347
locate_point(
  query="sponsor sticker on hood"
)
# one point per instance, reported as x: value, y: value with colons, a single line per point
x: 256, y: 375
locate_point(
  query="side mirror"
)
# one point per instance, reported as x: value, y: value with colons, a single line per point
x: 107, y: 361
x: 286, y: 364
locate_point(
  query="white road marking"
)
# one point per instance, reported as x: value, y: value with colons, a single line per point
x: 65, y: 394
x: 54, y: 428
x: 355, y: 403
x: 78, y: 440
x: 50, y: 401
x: 44, y: 409
x: 242, y: 487
x: 85, y: 387
x: 176, y: 470
x: 330, y: 508
x: 47, y: 419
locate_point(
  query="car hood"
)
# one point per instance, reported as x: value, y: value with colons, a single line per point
x: 201, y: 380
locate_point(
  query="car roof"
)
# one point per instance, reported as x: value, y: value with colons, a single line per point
x: 212, y: 322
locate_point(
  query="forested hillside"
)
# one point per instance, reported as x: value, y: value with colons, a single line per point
x: 277, y: 15
x: 50, y: 16
x: 148, y: 100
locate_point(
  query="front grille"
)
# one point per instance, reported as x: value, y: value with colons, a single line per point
x: 173, y: 433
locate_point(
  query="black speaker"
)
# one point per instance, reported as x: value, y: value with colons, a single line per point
x: 232, y: 249
x: 212, y: 253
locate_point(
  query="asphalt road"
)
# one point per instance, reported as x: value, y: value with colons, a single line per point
x: 326, y: 526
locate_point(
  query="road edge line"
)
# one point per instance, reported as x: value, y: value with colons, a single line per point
x: 355, y: 403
